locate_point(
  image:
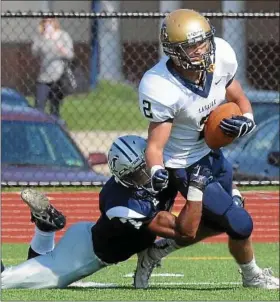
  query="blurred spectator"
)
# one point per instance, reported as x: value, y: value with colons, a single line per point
x: 54, y: 49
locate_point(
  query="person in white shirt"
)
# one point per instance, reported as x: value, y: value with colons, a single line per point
x: 54, y: 49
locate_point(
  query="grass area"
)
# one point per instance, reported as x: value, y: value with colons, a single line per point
x: 205, y: 272
x: 108, y: 107
x: 97, y: 189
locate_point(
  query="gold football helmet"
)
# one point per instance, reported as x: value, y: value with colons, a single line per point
x: 183, y: 29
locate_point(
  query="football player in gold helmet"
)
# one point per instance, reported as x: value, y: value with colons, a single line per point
x: 188, y: 39
x: 176, y: 96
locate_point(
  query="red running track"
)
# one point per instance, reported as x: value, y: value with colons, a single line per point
x: 77, y: 206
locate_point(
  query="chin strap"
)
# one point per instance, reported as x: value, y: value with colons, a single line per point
x: 120, y: 182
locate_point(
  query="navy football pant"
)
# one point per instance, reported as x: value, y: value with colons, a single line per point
x: 219, y: 211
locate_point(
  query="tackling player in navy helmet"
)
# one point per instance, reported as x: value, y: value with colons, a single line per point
x: 132, y: 215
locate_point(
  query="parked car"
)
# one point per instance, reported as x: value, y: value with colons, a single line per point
x: 12, y: 97
x: 264, y: 109
x: 37, y: 149
x: 256, y: 156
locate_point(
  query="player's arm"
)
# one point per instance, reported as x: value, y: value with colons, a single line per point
x: 190, y: 216
x: 235, y: 94
x: 161, y: 224
x: 164, y: 224
x: 158, y: 134
x: 236, y: 126
x: 185, y: 226
x: 158, y: 102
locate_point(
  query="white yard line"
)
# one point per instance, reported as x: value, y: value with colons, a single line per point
x: 113, y: 285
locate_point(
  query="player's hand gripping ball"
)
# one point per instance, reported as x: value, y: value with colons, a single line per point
x: 214, y: 137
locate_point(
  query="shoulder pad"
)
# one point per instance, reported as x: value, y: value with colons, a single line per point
x: 226, y: 61
x: 225, y: 52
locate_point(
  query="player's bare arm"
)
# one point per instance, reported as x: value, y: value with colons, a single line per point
x: 164, y: 225
x: 235, y: 94
x: 189, y: 219
x: 181, y: 228
x: 158, y: 135
x: 190, y: 216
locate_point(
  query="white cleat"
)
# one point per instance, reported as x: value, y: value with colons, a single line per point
x: 45, y: 216
x: 36, y: 200
x: 263, y: 280
x: 145, y: 266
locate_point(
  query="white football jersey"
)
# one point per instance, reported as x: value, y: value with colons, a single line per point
x: 163, y: 95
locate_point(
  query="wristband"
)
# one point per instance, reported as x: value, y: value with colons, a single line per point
x: 155, y: 168
x: 194, y: 194
x: 249, y: 116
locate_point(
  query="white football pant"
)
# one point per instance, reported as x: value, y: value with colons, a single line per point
x: 73, y: 258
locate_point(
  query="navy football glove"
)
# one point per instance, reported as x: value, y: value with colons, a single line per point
x: 237, y: 126
x: 159, y: 179
x: 200, y: 177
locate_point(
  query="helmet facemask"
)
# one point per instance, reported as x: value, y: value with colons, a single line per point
x: 138, y: 178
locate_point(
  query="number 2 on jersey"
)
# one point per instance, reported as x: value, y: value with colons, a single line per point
x: 147, y: 107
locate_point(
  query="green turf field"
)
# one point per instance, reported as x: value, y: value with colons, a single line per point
x: 202, y: 272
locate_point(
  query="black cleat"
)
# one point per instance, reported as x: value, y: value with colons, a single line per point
x: 2, y: 266
x: 43, y: 214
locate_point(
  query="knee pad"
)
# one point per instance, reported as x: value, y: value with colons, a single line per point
x: 216, y: 200
x: 220, y: 210
x: 240, y: 223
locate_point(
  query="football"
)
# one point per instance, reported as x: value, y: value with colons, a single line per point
x: 213, y: 135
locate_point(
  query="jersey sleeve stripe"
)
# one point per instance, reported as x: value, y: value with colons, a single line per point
x: 123, y: 212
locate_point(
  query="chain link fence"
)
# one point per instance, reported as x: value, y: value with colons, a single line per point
x: 97, y: 100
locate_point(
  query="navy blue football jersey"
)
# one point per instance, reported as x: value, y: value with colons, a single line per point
x: 121, y: 231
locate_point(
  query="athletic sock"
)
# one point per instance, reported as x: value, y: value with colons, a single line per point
x: 42, y: 242
x: 162, y: 247
x: 250, y: 270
